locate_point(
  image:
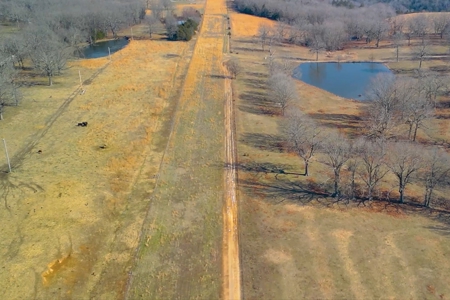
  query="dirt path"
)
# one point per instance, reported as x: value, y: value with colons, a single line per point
x: 231, y: 266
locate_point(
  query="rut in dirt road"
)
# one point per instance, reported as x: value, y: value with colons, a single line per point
x: 231, y: 261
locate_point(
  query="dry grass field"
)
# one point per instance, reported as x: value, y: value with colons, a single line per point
x: 75, y: 202
x: 295, y: 242
x: 180, y: 253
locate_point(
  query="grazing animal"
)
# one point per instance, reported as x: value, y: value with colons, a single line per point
x: 82, y: 124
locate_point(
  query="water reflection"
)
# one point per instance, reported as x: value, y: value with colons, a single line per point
x: 101, y: 49
x: 348, y: 80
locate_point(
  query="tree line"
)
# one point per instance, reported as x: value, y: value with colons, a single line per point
x: 327, y: 27
x: 358, y: 166
x: 50, y: 31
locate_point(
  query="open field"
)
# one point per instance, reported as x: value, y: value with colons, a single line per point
x: 295, y: 243
x: 72, y: 211
x: 180, y: 255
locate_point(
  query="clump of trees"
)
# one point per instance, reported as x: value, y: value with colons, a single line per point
x: 185, y: 30
x: 9, y: 94
x: 396, y: 102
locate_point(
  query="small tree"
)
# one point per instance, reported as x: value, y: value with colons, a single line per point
x: 337, y: 149
x: 49, y: 58
x: 266, y: 35
x: 233, y: 67
x: 404, y: 159
x: 151, y: 22
x: 416, y: 110
x: 304, y: 136
x: 421, y: 51
x: 282, y: 90
x: 397, y: 39
x: 371, y: 169
x: 436, y: 169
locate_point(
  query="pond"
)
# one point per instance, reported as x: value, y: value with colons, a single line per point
x: 348, y: 80
x: 101, y: 49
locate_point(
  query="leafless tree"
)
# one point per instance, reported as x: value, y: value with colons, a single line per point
x: 436, y: 169
x: 404, y: 160
x: 315, y: 40
x: 8, y: 93
x: 266, y: 35
x: 151, y: 23
x: 432, y: 84
x: 441, y: 23
x: 337, y: 150
x: 384, y: 110
x: 416, y: 110
x: 304, y: 136
x: 171, y: 26
x: 371, y: 169
x: 397, y: 40
x: 17, y: 48
x: 421, y: 51
x: 283, y: 90
x: 376, y: 29
x: 49, y: 57
x: 418, y: 26
x: 233, y: 67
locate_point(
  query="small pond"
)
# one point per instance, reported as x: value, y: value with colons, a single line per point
x: 348, y: 80
x: 100, y: 49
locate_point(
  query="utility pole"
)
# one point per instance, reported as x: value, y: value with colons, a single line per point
x: 7, y: 156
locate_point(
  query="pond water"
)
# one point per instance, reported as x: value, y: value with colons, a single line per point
x: 100, y: 49
x: 348, y: 80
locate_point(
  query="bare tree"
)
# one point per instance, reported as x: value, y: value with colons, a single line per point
x: 283, y: 90
x: 315, y: 39
x: 404, y: 160
x: 171, y: 26
x: 49, y: 57
x: 384, y: 110
x: 233, y: 67
x: 151, y: 22
x: 416, y: 110
x: 418, y: 26
x: 421, y: 51
x: 304, y: 136
x: 397, y: 40
x: 266, y: 35
x: 436, y: 169
x: 17, y: 48
x: 337, y: 150
x: 432, y: 84
x: 371, y: 169
x: 8, y: 94
x: 441, y: 23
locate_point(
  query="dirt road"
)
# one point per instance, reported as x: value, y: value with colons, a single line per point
x: 231, y: 267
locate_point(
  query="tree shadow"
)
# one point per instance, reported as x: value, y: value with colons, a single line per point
x: 262, y: 141
x: 256, y: 103
x: 342, y: 121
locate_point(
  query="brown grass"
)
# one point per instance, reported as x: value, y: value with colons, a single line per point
x: 296, y: 244
x: 73, y: 212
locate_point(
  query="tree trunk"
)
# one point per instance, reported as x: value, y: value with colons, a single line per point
x: 420, y: 63
x: 401, y: 190
x: 410, y: 130
x: 397, y: 53
x: 369, y: 194
x: 306, y: 168
x: 50, y: 82
x: 336, y: 183
x: 317, y: 55
x: 415, y: 132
